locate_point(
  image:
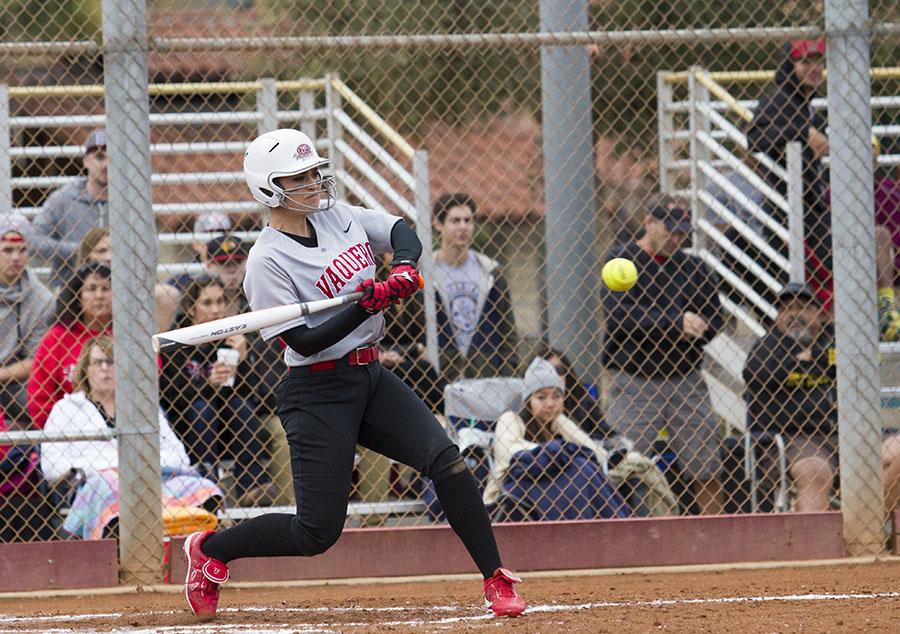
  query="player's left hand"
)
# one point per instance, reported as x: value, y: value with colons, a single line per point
x: 376, y: 296
x: 403, y: 281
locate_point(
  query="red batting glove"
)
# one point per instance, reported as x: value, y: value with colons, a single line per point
x: 404, y: 281
x: 376, y: 296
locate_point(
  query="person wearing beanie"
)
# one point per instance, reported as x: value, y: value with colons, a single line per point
x: 541, y: 420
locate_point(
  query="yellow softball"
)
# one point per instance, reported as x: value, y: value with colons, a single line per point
x: 619, y: 274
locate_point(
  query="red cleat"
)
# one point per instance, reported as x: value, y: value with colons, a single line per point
x: 500, y: 594
x: 204, y: 576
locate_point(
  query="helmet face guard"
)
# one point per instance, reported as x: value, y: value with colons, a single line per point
x: 282, y: 153
x: 292, y: 198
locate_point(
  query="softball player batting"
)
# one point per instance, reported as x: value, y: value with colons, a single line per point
x: 336, y: 394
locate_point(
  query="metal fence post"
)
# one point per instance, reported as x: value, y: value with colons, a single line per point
x: 856, y: 326
x: 796, y: 255
x: 133, y: 238
x: 570, y: 221
x: 699, y: 124
x: 426, y: 262
x: 5, y: 149
x: 267, y: 105
x: 665, y: 128
x: 332, y: 105
x: 307, y: 103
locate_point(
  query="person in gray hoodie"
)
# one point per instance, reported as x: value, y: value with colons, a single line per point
x: 71, y: 211
x: 26, y: 311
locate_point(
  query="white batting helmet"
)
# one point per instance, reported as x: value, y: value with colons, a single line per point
x: 286, y: 152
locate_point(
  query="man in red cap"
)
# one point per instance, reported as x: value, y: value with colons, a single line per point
x: 785, y: 114
x: 26, y: 311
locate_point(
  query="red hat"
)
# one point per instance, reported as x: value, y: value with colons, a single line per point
x: 805, y: 48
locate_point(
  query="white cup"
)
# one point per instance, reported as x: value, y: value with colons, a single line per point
x: 228, y: 356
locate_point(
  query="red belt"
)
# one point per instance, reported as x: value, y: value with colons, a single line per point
x: 360, y: 356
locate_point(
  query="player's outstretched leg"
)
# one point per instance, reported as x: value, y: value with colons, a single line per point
x: 204, y: 576
x: 500, y: 594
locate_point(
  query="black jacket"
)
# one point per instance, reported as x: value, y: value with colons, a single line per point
x: 784, y: 395
x: 785, y: 114
x: 184, y: 379
x: 644, y: 325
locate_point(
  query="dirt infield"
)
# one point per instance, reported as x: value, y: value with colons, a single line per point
x: 834, y: 598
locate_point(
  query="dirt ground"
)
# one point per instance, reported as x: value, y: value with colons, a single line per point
x: 834, y: 598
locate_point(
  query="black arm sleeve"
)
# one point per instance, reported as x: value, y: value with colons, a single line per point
x: 309, y: 341
x: 405, y: 244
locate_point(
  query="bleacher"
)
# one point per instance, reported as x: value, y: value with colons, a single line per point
x: 701, y: 140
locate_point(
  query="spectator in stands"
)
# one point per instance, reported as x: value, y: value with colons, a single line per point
x: 96, y: 247
x: 26, y: 312
x: 71, y: 211
x: 83, y: 310
x: 653, y: 347
x: 790, y: 390
x: 226, y: 259
x: 93, y: 465
x: 476, y: 327
x: 544, y: 461
x: 581, y: 405
x: 206, y: 223
x: 887, y: 205
x: 785, y: 114
x: 213, y: 405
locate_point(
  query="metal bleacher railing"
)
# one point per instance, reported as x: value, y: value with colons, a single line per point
x: 372, y: 164
x: 700, y: 142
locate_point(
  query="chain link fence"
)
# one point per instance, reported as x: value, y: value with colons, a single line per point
x: 528, y: 142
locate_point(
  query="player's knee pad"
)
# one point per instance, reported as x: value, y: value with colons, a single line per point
x: 446, y: 464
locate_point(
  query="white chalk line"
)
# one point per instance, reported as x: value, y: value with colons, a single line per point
x: 311, y: 628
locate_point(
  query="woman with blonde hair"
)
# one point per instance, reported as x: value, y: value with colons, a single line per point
x: 93, y: 464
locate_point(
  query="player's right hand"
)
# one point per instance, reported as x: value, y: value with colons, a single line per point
x: 404, y: 281
x: 376, y: 296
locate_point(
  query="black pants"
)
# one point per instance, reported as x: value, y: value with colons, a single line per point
x: 325, y: 414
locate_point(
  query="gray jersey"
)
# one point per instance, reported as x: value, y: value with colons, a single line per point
x: 281, y: 271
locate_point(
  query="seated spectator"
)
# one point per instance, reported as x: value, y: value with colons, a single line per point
x: 225, y: 259
x: 205, y: 224
x: 26, y: 312
x: 475, y: 322
x: 25, y: 513
x: 581, y: 405
x: 213, y: 405
x: 71, y: 211
x: 887, y: 206
x: 96, y: 247
x: 94, y: 464
x: 545, y: 462
x: 790, y: 390
x: 83, y: 310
